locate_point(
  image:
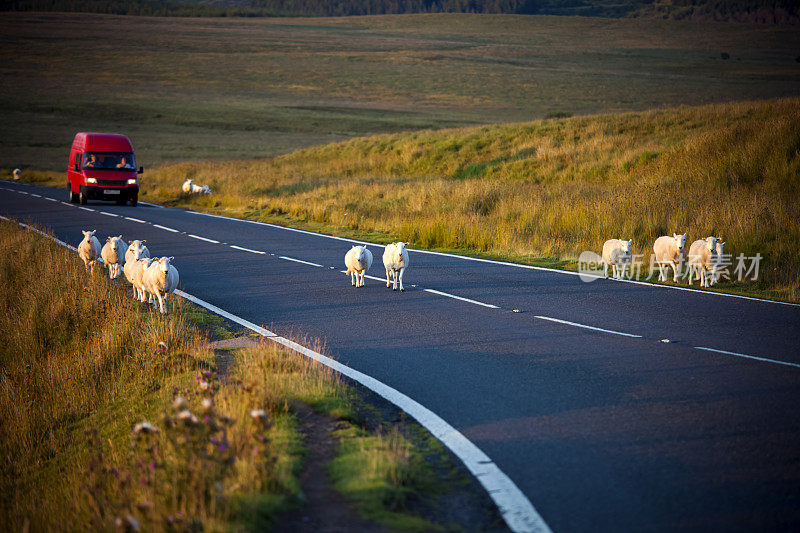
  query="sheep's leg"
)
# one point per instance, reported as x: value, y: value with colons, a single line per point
x: 352, y: 278
x: 624, y: 267
x: 614, y: 271
x: 661, y: 272
x: 388, y: 277
x: 675, y: 271
x: 161, y: 303
x: 402, y: 270
x: 605, y: 270
x: 363, y: 273
x: 691, y: 273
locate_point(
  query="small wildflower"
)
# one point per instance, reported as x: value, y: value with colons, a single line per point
x: 162, y: 346
x: 187, y: 417
x: 207, y: 404
x: 127, y: 524
x: 178, y: 403
x: 222, y: 447
x: 259, y: 415
x: 144, y: 428
x: 204, y: 385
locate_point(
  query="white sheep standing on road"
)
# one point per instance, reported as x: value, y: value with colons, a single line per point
x: 718, y: 261
x: 702, y: 258
x: 358, y: 260
x: 395, y: 261
x: 160, y: 279
x: 617, y: 254
x: 113, y: 253
x: 89, y: 250
x: 191, y: 188
x: 668, y: 251
x: 136, y: 250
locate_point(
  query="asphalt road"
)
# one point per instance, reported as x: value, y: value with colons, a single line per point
x: 601, y: 430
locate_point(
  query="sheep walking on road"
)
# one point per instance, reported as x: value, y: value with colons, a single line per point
x: 617, y: 254
x: 669, y: 251
x: 395, y: 261
x: 160, y: 279
x: 358, y: 260
x: 191, y: 188
x: 89, y: 250
x: 113, y: 254
x: 702, y: 260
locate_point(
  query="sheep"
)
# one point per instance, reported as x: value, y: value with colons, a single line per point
x: 702, y: 259
x: 358, y: 260
x: 113, y: 254
x: 718, y: 262
x: 89, y: 250
x: 16, y: 174
x: 190, y: 188
x: 160, y: 279
x: 137, y: 271
x: 395, y: 261
x: 136, y: 250
x: 132, y: 268
x: 669, y: 250
x: 616, y: 253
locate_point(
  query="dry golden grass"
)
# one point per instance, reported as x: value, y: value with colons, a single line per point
x: 550, y: 188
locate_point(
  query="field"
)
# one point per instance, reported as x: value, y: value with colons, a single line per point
x: 81, y: 373
x: 235, y: 89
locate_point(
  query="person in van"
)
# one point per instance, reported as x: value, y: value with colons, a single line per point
x: 92, y: 162
x: 123, y: 163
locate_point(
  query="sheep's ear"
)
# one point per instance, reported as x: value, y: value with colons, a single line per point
x: 171, y: 258
x: 143, y: 241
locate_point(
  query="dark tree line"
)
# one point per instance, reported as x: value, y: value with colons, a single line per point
x: 765, y: 11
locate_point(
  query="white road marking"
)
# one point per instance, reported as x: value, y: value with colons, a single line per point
x: 299, y: 261
x: 461, y: 298
x: 247, y: 249
x: 567, y: 322
x: 775, y: 361
x: 166, y: 228
x: 51, y: 199
x: 86, y: 208
x: 514, y: 506
x: 491, y: 261
x: 22, y: 192
x: 202, y: 238
x: 36, y: 195
x: 108, y: 214
x: 152, y: 205
x: 136, y: 220
x: 71, y: 205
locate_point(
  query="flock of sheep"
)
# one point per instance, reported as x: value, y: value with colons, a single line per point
x: 395, y: 260
x: 705, y: 257
x: 151, y: 278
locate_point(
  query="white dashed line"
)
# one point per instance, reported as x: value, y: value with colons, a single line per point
x: 299, y: 261
x: 36, y: 195
x: 51, y: 199
x: 65, y: 203
x: 202, y: 238
x: 136, y: 220
x: 247, y: 250
x: 108, y: 214
x: 22, y: 192
x: 567, y: 322
x: 166, y: 228
x: 747, y: 356
x: 440, y: 293
x: 86, y: 209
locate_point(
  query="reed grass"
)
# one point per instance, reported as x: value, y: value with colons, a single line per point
x: 544, y: 190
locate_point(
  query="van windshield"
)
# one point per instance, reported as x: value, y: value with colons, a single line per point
x: 108, y: 161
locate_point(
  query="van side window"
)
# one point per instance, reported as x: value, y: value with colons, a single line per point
x: 78, y: 161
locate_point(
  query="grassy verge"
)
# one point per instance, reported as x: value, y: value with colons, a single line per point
x: 542, y: 192
x: 104, y: 427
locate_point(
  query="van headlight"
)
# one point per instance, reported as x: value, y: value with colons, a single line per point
x: 91, y: 180
x: 132, y: 181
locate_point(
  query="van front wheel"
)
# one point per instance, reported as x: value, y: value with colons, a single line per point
x: 134, y: 200
x: 72, y: 196
x: 82, y: 198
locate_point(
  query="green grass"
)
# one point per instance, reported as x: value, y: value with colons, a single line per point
x: 237, y: 89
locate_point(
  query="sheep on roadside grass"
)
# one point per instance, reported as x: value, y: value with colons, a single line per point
x: 702, y: 259
x: 190, y: 188
x: 358, y: 260
x: 89, y: 250
x: 617, y: 254
x: 160, y: 279
x: 132, y: 267
x: 718, y: 261
x: 137, y: 271
x: 16, y: 174
x: 113, y: 253
x: 395, y: 261
x: 669, y: 252
x: 136, y: 250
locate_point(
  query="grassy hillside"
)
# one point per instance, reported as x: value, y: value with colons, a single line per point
x: 545, y: 189
x: 82, y: 366
x: 224, y: 89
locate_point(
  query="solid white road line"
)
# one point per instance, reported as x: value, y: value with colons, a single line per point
x: 108, y: 214
x: 246, y: 249
x: 202, y: 238
x: 136, y: 220
x: 491, y: 261
x: 152, y: 205
x: 567, y: 322
x: 775, y: 361
x: 514, y: 506
x: 166, y: 228
x: 461, y: 298
x: 299, y: 261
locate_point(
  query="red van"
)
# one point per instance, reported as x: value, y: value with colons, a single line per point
x: 101, y: 166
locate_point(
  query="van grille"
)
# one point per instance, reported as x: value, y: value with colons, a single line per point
x: 113, y: 183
